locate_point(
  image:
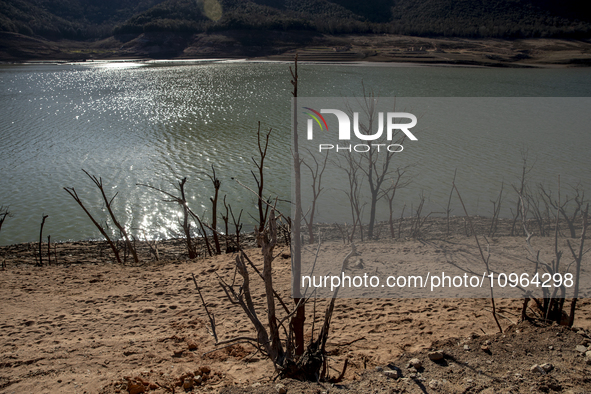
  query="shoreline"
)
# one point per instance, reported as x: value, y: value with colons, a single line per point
x: 311, y: 48
x: 432, y: 228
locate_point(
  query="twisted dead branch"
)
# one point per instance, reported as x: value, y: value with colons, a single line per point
x: 484, y: 259
x: 74, y: 195
x: 99, y: 183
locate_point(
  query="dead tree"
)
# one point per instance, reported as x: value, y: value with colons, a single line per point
x: 153, y: 246
x: 268, y: 341
x: 418, y: 221
x: 551, y: 305
x: 260, y: 180
x: 520, y: 192
x: 74, y: 195
x: 226, y: 219
x: 186, y: 225
x: 578, y: 257
x: 316, y: 172
x: 352, y: 168
x: 49, y: 250
x: 563, y: 207
x: 496, y: 211
x: 485, y: 260
x: 99, y: 183
x: 538, y: 212
x: 390, y: 193
x: 376, y: 166
x: 41, y: 240
x: 275, y: 337
x: 451, y: 192
x: 187, y: 212
x: 299, y: 317
x: 4, y: 213
x: 214, y: 209
x: 237, y: 227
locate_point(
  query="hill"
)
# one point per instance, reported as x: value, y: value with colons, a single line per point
x: 84, y: 19
x: 70, y: 19
x: 463, y: 18
x: 353, y: 30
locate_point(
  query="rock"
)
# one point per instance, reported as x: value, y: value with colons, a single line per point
x: 392, y: 374
x: 551, y: 347
x: 280, y: 388
x: 188, y: 384
x: 415, y: 363
x: 581, y: 348
x: 434, y: 384
x: 205, y: 370
x: 198, y: 379
x: 435, y: 356
x: 588, y: 360
x: 537, y: 369
x: 255, y: 385
x: 547, y: 367
x: 484, y: 348
x: 135, y: 388
x: 466, y: 347
x: 191, y: 345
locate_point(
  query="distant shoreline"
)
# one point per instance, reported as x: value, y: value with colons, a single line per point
x: 319, y: 48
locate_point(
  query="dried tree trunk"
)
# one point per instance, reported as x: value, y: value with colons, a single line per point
x: 267, y: 242
x: 578, y: 258
x: 41, y: 240
x: 299, y: 318
x: 74, y: 195
x: 99, y: 183
x: 186, y: 225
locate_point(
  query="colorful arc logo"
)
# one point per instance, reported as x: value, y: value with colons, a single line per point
x: 315, y: 115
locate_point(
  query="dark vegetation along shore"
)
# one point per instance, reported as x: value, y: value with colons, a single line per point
x: 500, y: 33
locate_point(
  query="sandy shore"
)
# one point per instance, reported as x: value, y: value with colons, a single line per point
x: 86, y: 324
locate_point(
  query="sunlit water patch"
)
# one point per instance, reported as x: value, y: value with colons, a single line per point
x: 155, y: 123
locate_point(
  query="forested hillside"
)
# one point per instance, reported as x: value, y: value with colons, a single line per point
x: 86, y: 19
x: 73, y: 19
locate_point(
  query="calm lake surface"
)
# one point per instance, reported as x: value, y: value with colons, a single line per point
x: 156, y: 123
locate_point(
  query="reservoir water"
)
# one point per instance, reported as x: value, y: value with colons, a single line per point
x: 155, y: 123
